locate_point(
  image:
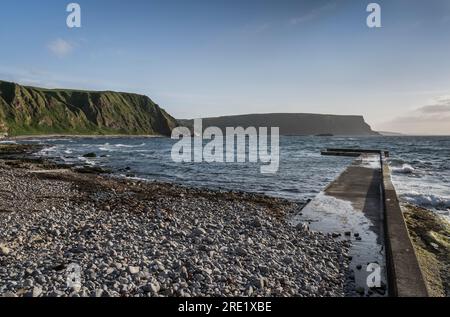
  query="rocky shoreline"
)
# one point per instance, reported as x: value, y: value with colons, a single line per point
x: 431, y: 239
x: 134, y: 238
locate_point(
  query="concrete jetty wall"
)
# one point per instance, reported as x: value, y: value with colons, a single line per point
x: 405, y: 278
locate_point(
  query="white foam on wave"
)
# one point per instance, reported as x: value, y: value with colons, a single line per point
x: 48, y: 150
x: 427, y: 200
x: 8, y: 142
x: 106, y: 147
x: 405, y: 169
x: 58, y: 139
x: 33, y: 140
x: 129, y: 146
x: 371, y: 161
x: 86, y: 160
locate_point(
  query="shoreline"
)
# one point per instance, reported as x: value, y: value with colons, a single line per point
x: 430, y: 235
x: 135, y: 238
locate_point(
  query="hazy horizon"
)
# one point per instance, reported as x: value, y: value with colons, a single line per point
x: 218, y: 58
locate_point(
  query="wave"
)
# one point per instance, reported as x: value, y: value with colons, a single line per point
x: 427, y: 200
x: 58, y: 139
x: 371, y: 162
x: 86, y: 161
x: 396, y: 161
x: 106, y: 147
x: 32, y: 140
x: 48, y: 150
x: 129, y: 146
x: 405, y: 169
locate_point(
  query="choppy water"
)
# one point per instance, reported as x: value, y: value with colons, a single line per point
x: 421, y: 165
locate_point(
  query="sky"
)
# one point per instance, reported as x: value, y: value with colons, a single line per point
x: 199, y: 58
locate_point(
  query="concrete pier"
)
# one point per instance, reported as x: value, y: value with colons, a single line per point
x: 361, y: 205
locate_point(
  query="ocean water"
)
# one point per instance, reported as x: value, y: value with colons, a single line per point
x: 420, y: 165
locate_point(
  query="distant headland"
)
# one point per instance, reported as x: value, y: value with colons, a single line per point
x: 294, y: 123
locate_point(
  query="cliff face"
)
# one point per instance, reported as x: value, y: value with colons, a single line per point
x: 29, y: 110
x: 293, y: 123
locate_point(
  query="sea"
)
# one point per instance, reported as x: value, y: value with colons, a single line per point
x: 420, y: 165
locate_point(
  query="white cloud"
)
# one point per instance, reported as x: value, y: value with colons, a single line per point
x: 438, y: 105
x: 436, y: 108
x: 60, y: 48
x: 430, y: 119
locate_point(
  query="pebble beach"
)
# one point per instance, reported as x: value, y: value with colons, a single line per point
x: 134, y: 238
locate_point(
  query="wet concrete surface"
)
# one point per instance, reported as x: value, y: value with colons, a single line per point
x: 351, y: 208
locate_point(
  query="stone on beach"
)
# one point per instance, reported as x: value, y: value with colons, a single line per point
x: 133, y: 269
x: 4, y: 250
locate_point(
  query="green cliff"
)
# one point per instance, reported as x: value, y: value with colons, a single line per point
x: 30, y: 111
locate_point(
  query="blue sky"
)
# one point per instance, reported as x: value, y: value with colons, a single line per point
x: 206, y: 58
